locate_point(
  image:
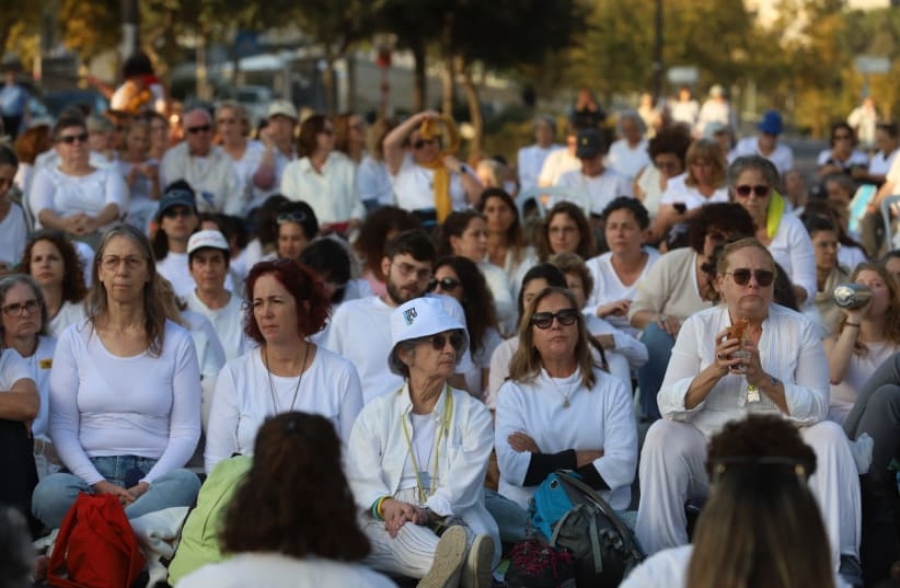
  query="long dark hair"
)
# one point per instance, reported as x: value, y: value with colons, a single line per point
x: 73, y: 288
x: 515, y: 237
x: 309, y: 129
x: 478, y: 302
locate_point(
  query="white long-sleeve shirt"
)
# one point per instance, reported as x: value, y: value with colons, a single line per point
x: 247, y: 394
x: 792, y: 249
x: 789, y: 349
x: 213, y: 178
x: 67, y: 195
x: 332, y: 194
x: 599, y: 418
x: 104, y: 405
x: 498, y: 282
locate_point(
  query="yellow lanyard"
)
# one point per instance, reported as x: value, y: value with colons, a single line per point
x: 443, y: 429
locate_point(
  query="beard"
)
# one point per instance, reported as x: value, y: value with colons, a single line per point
x: 397, y: 295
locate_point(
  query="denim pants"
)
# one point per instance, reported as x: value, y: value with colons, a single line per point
x: 650, y: 375
x: 57, y: 493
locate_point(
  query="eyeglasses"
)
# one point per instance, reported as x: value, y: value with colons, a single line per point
x: 20, y: 308
x: 70, y: 139
x: 177, y: 211
x: 297, y: 216
x: 422, y: 142
x: 760, y: 190
x: 668, y: 165
x: 200, y: 129
x: 446, y: 284
x: 438, y: 342
x: 544, y: 320
x: 742, y: 277
x: 112, y: 262
x: 407, y: 270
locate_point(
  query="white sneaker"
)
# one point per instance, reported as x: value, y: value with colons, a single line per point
x: 478, y: 572
x: 448, y: 560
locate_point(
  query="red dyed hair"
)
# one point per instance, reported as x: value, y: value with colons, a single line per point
x: 302, y: 284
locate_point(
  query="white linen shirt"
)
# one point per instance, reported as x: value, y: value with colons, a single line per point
x: 792, y: 249
x: 213, y: 178
x: 789, y: 350
x: 414, y: 187
x: 599, y: 418
x: 332, y: 194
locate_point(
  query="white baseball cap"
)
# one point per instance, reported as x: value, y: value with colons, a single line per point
x: 422, y: 317
x: 283, y: 108
x: 212, y: 239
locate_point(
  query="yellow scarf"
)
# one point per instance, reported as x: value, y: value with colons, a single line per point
x: 774, y: 214
x: 442, y: 203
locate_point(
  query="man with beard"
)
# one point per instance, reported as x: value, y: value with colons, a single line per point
x: 360, y: 329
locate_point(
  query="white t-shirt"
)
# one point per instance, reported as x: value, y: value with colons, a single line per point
x: 599, y: 418
x: 860, y: 368
x: 247, y: 393
x: 601, y: 190
x: 373, y: 181
x: 530, y: 161
x: 684, y: 112
x: 69, y: 314
x: 857, y: 158
x: 247, y: 165
x: 498, y: 282
x: 627, y: 161
x: 13, y: 234
x: 174, y: 267
x: 68, y: 195
x: 556, y: 164
x: 609, y: 288
x: 279, y: 571
x: 414, y: 187
x: 227, y: 321
x: 677, y: 191
x: 482, y: 361
x: 39, y: 365
x: 849, y: 256
x: 782, y: 157
x: 105, y: 405
x: 881, y: 164
x: 12, y: 369
x: 331, y: 194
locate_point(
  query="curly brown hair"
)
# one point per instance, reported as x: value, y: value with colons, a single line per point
x: 295, y: 499
x: 372, y: 241
x: 31, y: 143
x: 74, y: 289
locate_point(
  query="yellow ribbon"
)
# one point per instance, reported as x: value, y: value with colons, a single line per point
x: 774, y: 214
x: 431, y: 131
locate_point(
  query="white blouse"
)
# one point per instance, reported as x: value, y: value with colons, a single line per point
x: 67, y: 195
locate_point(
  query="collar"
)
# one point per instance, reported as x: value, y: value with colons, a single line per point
x: 404, y: 402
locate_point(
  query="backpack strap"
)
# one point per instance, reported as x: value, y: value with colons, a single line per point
x: 593, y: 534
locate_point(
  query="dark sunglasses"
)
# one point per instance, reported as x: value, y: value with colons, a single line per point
x: 422, y: 142
x: 291, y: 217
x: 544, y: 320
x: 744, y: 190
x: 175, y: 212
x: 742, y: 277
x: 447, y: 284
x: 200, y: 129
x: 438, y: 342
x: 69, y: 139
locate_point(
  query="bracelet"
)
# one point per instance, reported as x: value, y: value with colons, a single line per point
x: 851, y: 325
x: 376, y: 508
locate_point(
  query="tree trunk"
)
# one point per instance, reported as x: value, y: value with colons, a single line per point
x: 350, y: 58
x: 420, y: 78
x: 328, y: 82
x: 472, y: 99
x: 447, y: 79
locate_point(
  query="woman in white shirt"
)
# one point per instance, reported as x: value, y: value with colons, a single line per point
x: 417, y: 459
x: 324, y: 178
x: 116, y: 433
x: 286, y: 372
x: 373, y: 180
x: 74, y: 196
x: 23, y: 328
x: 559, y: 410
x: 566, y: 230
x: 233, y: 130
x: 843, y: 156
x: 628, y: 155
x: 51, y: 259
x: 865, y: 338
x: 667, y: 151
x: 292, y: 520
x: 465, y: 234
x: 14, y: 227
x: 703, y: 183
x: 506, y: 248
x: 141, y: 174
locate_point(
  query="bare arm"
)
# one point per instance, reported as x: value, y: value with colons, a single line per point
x: 21, y: 402
x: 393, y: 143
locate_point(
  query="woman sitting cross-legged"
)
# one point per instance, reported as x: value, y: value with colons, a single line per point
x: 417, y: 460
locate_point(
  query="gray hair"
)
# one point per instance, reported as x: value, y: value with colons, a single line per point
x: 633, y: 115
x: 544, y: 119
x: 397, y: 365
x: 16, y: 552
x: 842, y: 180
x: 9, y: 282
x: 753, y: 162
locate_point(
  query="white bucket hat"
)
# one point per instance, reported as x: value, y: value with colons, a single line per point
x: 422, y: 317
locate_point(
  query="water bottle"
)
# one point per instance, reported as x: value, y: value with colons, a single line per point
x: 851, y: 296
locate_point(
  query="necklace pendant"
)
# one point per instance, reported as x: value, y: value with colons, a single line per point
x: 566, y: 403
x: 753, y: 394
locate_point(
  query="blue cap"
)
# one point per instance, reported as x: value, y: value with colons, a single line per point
x: 771, y: 123
x: 177, y: 195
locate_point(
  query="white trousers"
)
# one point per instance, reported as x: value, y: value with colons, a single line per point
x: 672, y: 469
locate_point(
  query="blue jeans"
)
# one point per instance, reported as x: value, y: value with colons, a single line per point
x: 650, y: 375
x: 55, y: 494
x: 513, y: 521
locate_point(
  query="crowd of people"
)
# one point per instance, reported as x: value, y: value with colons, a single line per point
x: 409, y: 348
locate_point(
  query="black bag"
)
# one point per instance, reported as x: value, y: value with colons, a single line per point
x: 600, y: 542
x: 534, y: 564
x: 17, y: 464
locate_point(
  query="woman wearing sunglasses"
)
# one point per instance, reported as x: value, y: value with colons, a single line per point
x: 417, y: 460
x: 777, y: 366
x: 559, y: 410
x: 324, y: 178
x: 297, y: 227
x: 753, y: 182
x: 74, y: 196
x: 459, y: 278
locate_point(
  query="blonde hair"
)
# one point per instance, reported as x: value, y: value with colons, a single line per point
x: 746, y: 242
x: 891, y: 320
x: 712, y: 152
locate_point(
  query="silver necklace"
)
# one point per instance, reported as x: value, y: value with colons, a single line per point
x: 566, y: 403
x: 272, y: 384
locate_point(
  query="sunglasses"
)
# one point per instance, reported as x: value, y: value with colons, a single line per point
x: 742, y: 277
x: 544, y: 320
x: 745, y: 190
x: 438, y: 342
x: 176, y: 212
x: 200, y: 129
x: 291, y: 217
x: 70, y: 139
x: 422, y: 142
x: 446, y: 284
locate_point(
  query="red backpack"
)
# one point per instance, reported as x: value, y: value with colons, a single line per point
x: 96, y: 547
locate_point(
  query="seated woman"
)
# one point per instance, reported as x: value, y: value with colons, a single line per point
x: 51, y: 259
x: 560, y: 411
x: 465, y: 234
x: 116, y: 433
x: 566, y: 230
x: 506, y: 246
x: 417, y: 459
x: 459, y: 278
x: 829, y: 272
x: 297, y: 226
x: 23, y: 328
x: 141, y: 174
x: 330, y: 260
x: 863, y: 340
x: 667, y: 151
x: 676, y: 287
x: 292, y: 520
x: 14, y: 226
x: 850, y: 253
x: 286, y: 372
x: 742, y: 357
x: 843, y: 156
